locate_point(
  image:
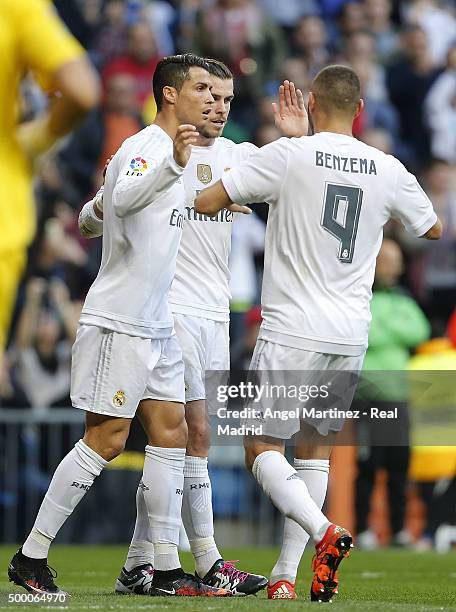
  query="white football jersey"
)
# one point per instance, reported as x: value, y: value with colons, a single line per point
x: 330, y: 197
x: 143, y: 204
x: 201, y: 283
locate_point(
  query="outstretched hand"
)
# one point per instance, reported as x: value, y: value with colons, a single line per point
x: 290, y: 114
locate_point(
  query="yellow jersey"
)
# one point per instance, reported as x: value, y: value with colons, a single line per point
x: 32, y: 37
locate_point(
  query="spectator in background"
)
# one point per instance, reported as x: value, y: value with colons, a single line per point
x: 139, y: 62
x: 101, y: 134
x: 111, y: 39
x: 295, y: 69
x: 359, y: 52
x: 440, y: 111
x: 398, y: 326
x: 437, y: 20
x: 161, y: 16
x: 378, y: 138
x: 56, y: 253
x: 309, y: 43
x: 288, y: 12
x: 351, y: 18
x: 240, y: 34
x: 439, y: 266
x: 378, y: 112
x: 42, y: 345
x: 81, y: 18
x: 378, y: 15
x: 408, y: 80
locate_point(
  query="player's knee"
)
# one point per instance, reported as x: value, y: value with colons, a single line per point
x: 199, y: 438
x: 109, y: 448
x: 250, y: 455
x: 108, y: 445
x: 173, y: 434
x: 114, y: 449
x: 181, y: 434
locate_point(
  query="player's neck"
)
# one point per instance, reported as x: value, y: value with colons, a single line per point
x: 335, y: 124
x: 202, y: 141
x: 334, y: 128
x: 167, y: 122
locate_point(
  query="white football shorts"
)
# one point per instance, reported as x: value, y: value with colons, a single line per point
x: 112, y: 372
x: 206, y: 352
x: 299, y: 385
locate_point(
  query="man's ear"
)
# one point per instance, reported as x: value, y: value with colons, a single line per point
x: 310, y: 109
x: 311, y: 102
x: 359, y: 108
x: 170, y: 94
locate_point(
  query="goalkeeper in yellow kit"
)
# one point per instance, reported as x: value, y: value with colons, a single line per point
x: 32, y: 38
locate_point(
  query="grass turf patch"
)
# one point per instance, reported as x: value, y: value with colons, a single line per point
x: 381, y: 580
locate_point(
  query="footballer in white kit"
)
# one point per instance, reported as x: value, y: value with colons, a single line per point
x: 199, y: 300
x: 125, y: 349
x: 200, y: 294
x: 126, y: 358
x: 330, y: 196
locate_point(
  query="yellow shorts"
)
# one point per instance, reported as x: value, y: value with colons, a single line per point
x: 12, y: 265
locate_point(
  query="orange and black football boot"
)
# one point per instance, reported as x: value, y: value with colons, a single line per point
x: 330, y: 551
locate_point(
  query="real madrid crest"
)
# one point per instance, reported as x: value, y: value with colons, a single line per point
x: 204, y: 173
x: 119, y: 399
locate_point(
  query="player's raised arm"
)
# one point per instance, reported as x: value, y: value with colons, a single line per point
x: 211, y: 200
x: 259, y: 179
x: 290, y: 115
x: 412, y: 206
x: 144, y: 177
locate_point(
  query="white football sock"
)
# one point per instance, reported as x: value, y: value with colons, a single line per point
x: 314, y: 473
x: 71, y: 481
x: 163, y: 482
x: 141, y: 549
x: 289, y: 493
x: 197, y: 514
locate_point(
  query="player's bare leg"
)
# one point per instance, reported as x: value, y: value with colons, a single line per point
x: 161, y: 490
x: 312, y: 466
x: 265, y: 458
x: 103, y: 440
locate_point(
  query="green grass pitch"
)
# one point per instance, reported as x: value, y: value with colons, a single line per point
x: 383, y: 580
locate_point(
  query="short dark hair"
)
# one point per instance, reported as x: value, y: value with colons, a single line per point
x: 219, y: 69
x: 337, y: 89
x: 172, y: 71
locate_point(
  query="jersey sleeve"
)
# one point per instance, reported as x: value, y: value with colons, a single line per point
x: 147, y: 170
x: 43, y: 40
x: 245, y: 150
x: 260, y: 177
x: 90, y: 225
x: 410, y: 204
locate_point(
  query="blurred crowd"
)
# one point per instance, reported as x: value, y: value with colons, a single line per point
x: 405, y: 54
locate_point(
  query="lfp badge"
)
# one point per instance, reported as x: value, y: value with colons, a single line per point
x: 138, y: 166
